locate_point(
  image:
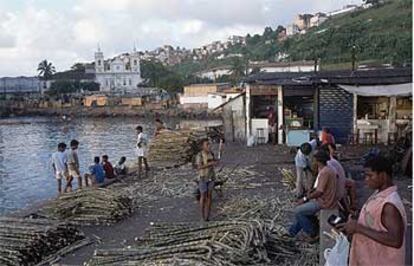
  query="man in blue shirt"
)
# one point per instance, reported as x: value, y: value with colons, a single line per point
x: 96, y: 172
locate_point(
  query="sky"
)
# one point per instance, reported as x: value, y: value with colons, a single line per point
x: 68, y: 31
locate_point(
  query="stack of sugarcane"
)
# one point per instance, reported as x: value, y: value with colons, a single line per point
x: 237, y: 242
x: 288, y: 178
x: 29, y: 241
x: 171, y: 148
x: 89, y: 206
x: 242, y: 207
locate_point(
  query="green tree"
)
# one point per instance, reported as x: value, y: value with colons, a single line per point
x: 45, y: 69
x: 372, y: 2
x: 78, y: 67
x: 238, y: 70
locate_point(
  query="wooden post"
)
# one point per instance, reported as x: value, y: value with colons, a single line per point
x: 280, y: 114
x: 392, y: 116
x: 316, y: 109
x: 248, y: 111
x: 355, y: 117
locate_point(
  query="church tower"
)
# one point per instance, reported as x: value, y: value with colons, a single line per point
x: 99, y: 61
x: 134, y: 59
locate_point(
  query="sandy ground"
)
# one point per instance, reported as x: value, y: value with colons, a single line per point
x: 264, y: 159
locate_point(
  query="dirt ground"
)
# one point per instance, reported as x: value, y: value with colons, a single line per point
x: 264, y: 159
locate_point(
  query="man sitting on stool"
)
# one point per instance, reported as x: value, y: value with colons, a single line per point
x: 322, y: 197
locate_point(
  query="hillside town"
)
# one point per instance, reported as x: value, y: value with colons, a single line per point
x: 168, y: 55
x: 292, y: 146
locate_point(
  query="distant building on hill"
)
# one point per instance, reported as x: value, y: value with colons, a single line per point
x: 297, y: 66
x: 303, y: 21
x: 215, y: 73
x: 237, y: 40
x: 292, y: 29
x: 119, y: 74
x: 318, y: 19
x: 345, y: 9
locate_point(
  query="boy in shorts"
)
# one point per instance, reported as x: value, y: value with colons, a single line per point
x: 60, y: 167
x: 73, y: 163
x: 205, y: 165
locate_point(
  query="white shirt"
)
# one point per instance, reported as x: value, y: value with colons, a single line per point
x: 141, y: 151
x: 302, y: 160
x: 59, y: 160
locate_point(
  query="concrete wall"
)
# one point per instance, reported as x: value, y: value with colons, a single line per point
x: 193, y: 100
x: 215, y: 100
x: 298, y: 68
x: 234, y: 120
x: 133, y: 101
x: 199, y: 90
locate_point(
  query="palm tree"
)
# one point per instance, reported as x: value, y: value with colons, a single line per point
x: 46, y: 69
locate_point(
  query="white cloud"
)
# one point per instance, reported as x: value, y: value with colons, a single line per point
x: 31, y: 32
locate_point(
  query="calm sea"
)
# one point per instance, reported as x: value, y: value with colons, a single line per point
x: 26, y: 145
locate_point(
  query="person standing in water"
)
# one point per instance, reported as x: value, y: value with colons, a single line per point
x: 60, y: 167
x: 73, y: 163
x: 142, y: 150
x: 205, y: 163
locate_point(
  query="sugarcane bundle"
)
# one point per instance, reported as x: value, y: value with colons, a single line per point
x: 288, y: 178
x: 89, y: 206
x: 237, y: 242
x: 171, y: 148
x: 25, y: 241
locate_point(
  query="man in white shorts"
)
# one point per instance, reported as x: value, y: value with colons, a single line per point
x: 142, y: 150
x: 60, y: 166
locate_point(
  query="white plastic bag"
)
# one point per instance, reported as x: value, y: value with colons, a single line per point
x: 251, y: 141
x: 338, y: 255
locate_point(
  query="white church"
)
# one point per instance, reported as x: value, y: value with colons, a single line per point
x: 119, y: 74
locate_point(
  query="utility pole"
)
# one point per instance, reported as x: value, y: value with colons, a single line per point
x: 353, y: 57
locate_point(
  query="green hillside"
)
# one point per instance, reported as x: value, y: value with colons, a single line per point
x: 381, y: 34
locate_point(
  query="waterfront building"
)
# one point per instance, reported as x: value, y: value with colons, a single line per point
x: 196, y: 95
x: 21, y: 85
x: 119, y: 74
x: 363, y: 106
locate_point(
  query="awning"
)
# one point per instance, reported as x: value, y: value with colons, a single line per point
x: 381, y: 90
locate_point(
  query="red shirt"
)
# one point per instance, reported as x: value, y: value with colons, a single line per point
x: 327, y: 138
x: 109, y: 170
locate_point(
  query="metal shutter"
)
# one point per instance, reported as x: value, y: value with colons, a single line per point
x: 336, y: 112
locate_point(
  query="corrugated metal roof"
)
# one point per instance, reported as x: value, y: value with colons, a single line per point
x: 359, y: 77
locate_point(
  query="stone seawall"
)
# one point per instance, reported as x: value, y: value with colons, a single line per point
x: 112, y: 111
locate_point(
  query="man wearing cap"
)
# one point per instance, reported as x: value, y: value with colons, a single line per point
x: 323, y: 196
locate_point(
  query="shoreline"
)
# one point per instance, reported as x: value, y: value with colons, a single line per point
x: 110, y: 111
x: 263, y: 181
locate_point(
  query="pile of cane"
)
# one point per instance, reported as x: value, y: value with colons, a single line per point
x: 238, y: 242
x: 174, y: 148
x: 89, y: 206
x: 30, y: 241
x: 288, y: 178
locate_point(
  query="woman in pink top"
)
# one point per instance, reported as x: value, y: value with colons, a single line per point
x: 379, y: 234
